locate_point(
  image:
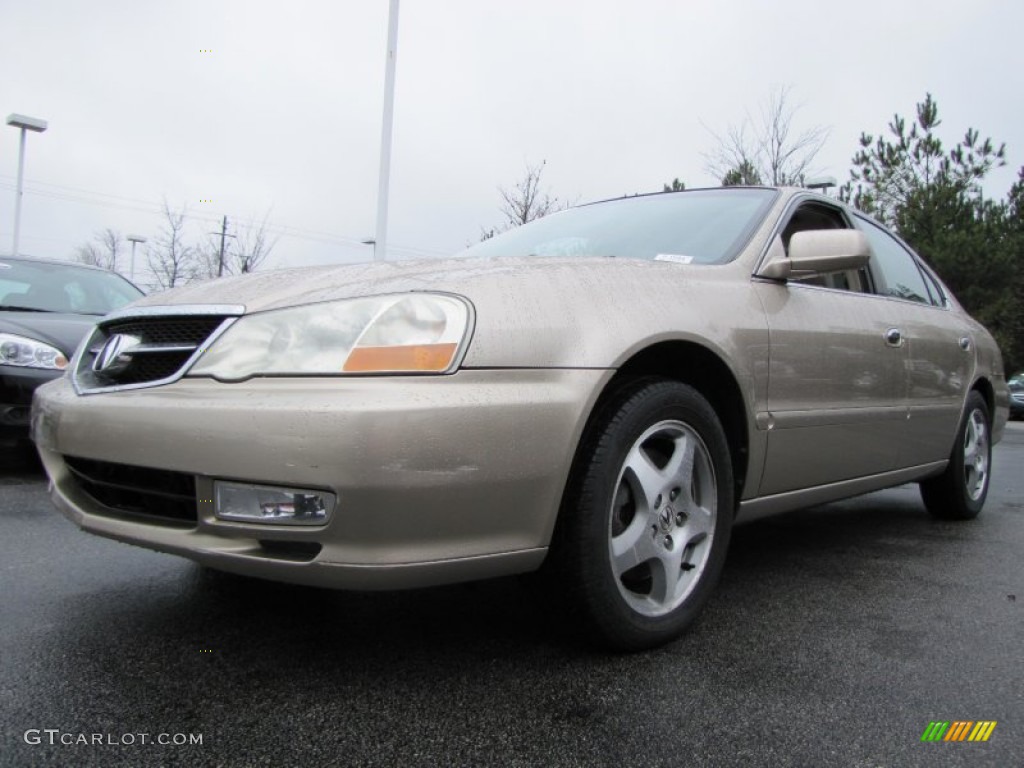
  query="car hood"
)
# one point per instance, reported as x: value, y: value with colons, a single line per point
x: 530, y: 311
x: 306, y: 285
x: 61, y: 330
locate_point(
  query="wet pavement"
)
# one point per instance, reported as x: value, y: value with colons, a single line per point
x: 836, y: 636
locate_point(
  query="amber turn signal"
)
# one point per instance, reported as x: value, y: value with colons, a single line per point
x: 412, y: 357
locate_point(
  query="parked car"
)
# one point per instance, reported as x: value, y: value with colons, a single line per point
x: 598, y: 395
x: 46, y: 307
x: 1017, y: 400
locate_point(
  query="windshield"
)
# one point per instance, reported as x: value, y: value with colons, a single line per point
x: 41, y: 286
x: 707, y: 226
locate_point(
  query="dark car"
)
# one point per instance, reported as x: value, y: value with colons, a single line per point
x: 46, y: 307
x: 1016, y: 400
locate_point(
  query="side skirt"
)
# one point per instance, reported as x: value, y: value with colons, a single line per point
x: 766, y: 506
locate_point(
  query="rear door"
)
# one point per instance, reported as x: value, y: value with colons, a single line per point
x: 939, y: 347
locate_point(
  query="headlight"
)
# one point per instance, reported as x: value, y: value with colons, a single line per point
x: 405, y: 333
x: 29, y: 353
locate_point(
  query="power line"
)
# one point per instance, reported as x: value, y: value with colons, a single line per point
x: 138, y: 205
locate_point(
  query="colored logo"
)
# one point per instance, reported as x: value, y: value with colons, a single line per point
x: 958, y: 730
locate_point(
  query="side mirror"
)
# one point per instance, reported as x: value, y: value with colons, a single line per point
x: 817, y: 252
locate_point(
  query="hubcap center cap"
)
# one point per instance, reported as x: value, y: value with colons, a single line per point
x: 667, y: 519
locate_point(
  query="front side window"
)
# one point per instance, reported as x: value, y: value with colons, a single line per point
x: 814, y: 216
x: 897, y: 268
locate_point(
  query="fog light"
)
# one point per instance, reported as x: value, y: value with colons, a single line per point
x: 243, y: 503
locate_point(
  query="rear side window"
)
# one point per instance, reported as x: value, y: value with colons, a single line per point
x: 935, y: 287
x: 897, y: 269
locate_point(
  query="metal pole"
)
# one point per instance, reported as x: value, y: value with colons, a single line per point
x: 17, y: 195
x: 223, y: 232
x: 134, y: 240
x: 380, y: 244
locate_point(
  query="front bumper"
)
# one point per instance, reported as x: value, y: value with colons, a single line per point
x: 17, y: 385
x: 439, y: 478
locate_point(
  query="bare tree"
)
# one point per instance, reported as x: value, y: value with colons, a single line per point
x: 244, y: 251
x: 207, y: 258
x: 171, y: 261
x: 207, y: 262
x: 525, y: 202
x: 766, y: 148
x: 734, y: 152
x: 88, y: 253
x: 252, y: 246
x: 103, y: 251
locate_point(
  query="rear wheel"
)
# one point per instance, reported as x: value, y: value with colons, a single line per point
x: 646, y: 519
x: 959, y: 492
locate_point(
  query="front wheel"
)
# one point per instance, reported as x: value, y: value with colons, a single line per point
x: 959, y: 492
x: 646, y: 520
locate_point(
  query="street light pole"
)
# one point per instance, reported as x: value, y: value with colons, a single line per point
x: 133, y: 239
x: 380, y: 241
x: 25, y: 124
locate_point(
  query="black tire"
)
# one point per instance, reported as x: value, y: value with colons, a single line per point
x: 959, y: 492
x: 620, y: 497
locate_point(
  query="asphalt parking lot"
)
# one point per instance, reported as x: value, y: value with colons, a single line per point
x: 837, y: 635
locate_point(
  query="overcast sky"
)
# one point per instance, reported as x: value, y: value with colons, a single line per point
x: 284, y: 113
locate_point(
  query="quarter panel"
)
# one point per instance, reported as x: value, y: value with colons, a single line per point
x: 939, y: 373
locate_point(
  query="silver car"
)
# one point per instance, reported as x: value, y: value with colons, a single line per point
x: 599, y: 395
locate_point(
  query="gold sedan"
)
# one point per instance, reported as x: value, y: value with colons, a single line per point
x: 599, y: 395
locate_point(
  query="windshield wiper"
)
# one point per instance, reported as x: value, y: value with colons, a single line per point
x: 13, y: 308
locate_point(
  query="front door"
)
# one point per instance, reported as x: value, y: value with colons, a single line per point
x: 836, y: 399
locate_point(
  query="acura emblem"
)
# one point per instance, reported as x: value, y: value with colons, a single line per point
x: 667, y: 519
x: 113, y: 356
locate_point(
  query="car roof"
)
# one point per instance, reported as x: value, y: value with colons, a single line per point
x: 785, y: 193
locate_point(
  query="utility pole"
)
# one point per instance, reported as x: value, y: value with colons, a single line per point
x: 223, y: 234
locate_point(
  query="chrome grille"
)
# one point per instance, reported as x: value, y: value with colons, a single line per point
x: 148, y: 346
x: 167, y: 330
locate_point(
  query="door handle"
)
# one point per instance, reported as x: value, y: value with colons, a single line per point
x: 894, y: 337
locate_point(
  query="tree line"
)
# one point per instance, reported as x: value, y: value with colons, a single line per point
x: 931, y: 195
x: 906, y: 177
x: 172, y: 258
